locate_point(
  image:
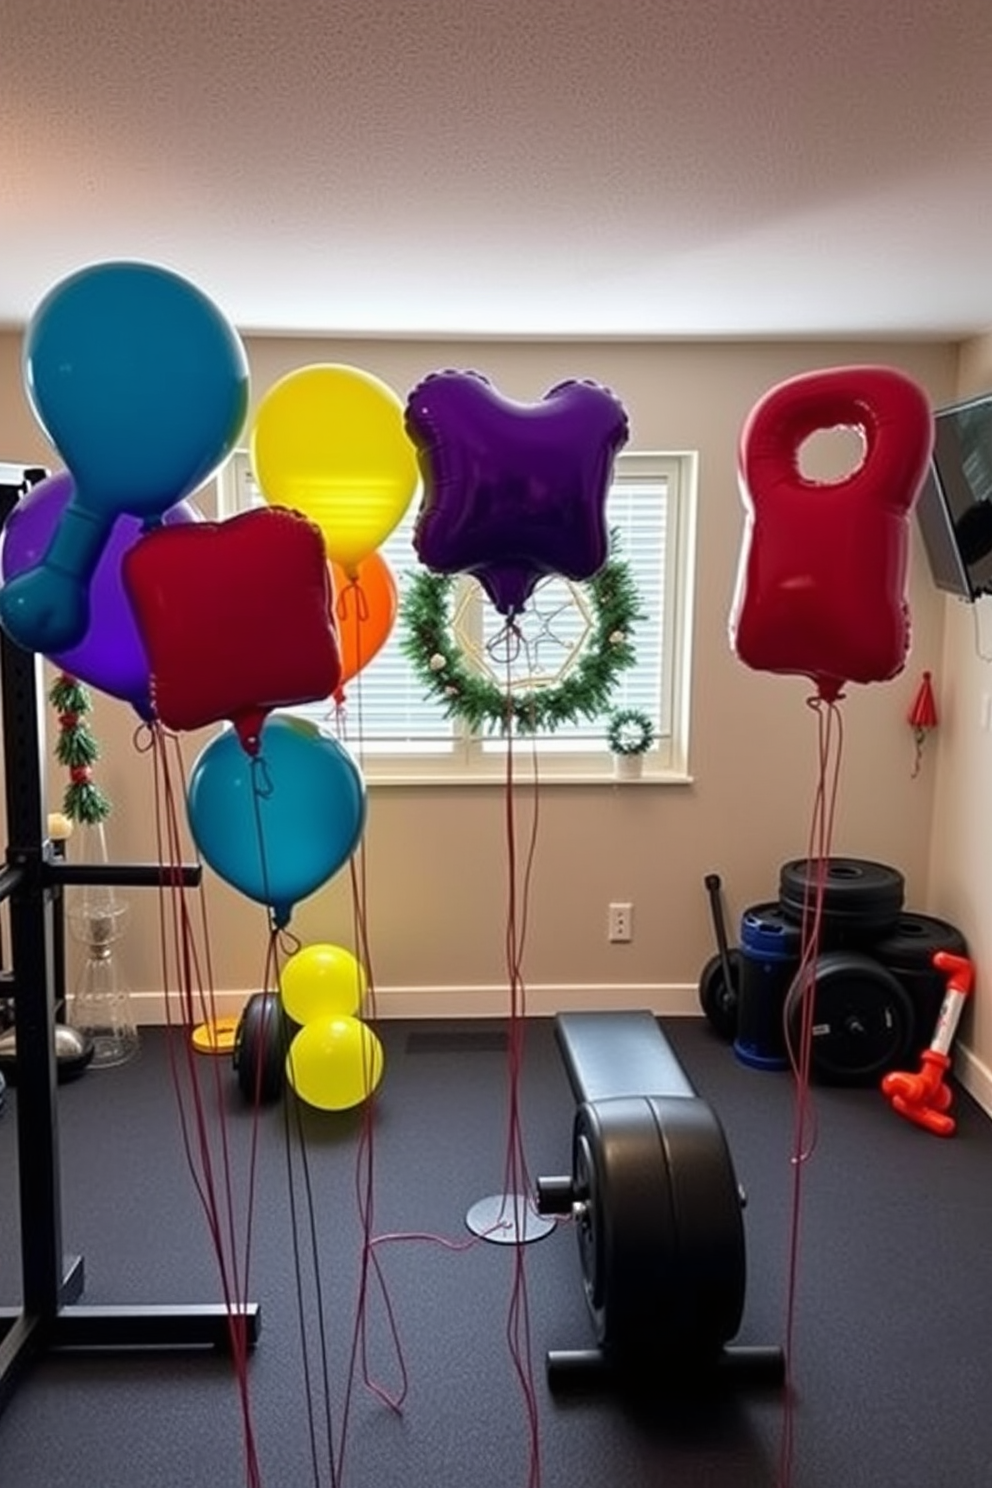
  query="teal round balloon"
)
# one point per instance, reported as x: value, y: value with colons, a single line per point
x: 278, y: 825
x: 139, y: 381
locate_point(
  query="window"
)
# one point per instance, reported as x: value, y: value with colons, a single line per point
x: 403, y: 736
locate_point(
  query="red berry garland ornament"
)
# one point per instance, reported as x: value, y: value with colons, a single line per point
x: 77, y: 749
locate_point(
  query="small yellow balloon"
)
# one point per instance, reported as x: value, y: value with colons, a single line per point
x: 330, y: 441
x: 334, y: 1063
x: 322, y: 981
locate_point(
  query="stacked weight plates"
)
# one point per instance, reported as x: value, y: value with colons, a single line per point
x: 876, y: 993
x: 863, y: 1021
x: 861, y: 900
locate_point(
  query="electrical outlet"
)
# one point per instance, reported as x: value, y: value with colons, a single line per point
x: 621, y: 922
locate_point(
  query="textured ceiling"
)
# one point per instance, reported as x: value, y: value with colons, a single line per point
x: 520, y: 167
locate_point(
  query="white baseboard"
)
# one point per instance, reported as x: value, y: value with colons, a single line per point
x: 975, y: 1076
x: 543, y: 1000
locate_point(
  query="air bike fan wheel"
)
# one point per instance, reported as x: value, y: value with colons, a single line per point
x: 660, y: 1231
x: 863, y: 1019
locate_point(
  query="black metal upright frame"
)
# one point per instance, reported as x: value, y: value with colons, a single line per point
x: 51, y: 1315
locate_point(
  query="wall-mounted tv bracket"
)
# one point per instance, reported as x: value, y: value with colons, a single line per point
x: 31, y: 879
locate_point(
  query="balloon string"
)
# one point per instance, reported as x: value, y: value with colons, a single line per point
x: 830, y: 754
x: 177, y: 941
x: 353, y: 588
x: 207, y: 1011
x: 209, y: 1015
x: 293, y: 1127
x: 365, y: 1165
x: 517, y: 1181
x: 370, y: 1269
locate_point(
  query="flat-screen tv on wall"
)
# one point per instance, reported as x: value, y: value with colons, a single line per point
x: 954, y: 508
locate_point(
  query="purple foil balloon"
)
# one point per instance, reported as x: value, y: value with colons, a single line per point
x: 513, y: 491
x: 111, y: 656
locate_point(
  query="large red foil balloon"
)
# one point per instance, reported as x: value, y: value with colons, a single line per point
x: 236, y: 617
x: 821, y: 587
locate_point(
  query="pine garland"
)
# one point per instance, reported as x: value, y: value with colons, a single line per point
x: 434, y: 654
x: 77, y: 750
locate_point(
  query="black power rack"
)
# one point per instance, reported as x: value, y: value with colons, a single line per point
x: 32, y: 877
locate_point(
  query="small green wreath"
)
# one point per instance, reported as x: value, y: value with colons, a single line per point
x: 463, y: 692
x: 630, y: 732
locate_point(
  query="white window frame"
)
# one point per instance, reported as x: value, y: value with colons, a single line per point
x: 472, y: 760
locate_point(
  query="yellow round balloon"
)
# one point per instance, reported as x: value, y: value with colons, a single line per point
x: 334, y: 1063
x: 321, y: 981
x: 329, y: 441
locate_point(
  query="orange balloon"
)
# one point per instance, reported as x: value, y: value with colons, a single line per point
x: 364, y: 611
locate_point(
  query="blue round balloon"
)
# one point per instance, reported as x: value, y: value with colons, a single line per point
x: 140, y: 383
x: 277, y: 825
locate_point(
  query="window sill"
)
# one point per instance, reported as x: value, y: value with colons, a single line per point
x: 521, y: 777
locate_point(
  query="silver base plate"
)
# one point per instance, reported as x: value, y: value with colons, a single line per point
x: 508, y: 1219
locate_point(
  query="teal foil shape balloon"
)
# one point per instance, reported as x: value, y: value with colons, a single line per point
x: 278, y: 825
x: 141, y: 385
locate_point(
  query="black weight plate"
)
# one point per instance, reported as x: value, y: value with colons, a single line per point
x: 718, y: 1001
x: 908, y: 951
x: 861, y: 899
x: 863, y: 1019
x: 260, y: 1048
x: 914, y: 940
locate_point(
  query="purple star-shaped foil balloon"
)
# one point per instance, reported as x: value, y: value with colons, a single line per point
x: 513, y: 491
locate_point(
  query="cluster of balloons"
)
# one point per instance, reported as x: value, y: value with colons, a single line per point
x: 142, y: 387
x: 335, y: 1060
x: 821, y: 587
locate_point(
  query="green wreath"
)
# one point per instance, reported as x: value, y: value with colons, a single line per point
x: 630, y: 732
x: 441, y: 666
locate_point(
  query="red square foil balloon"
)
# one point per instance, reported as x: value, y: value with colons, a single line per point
x: 236, y: 621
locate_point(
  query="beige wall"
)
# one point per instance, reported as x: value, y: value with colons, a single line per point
x: 436, y: 857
